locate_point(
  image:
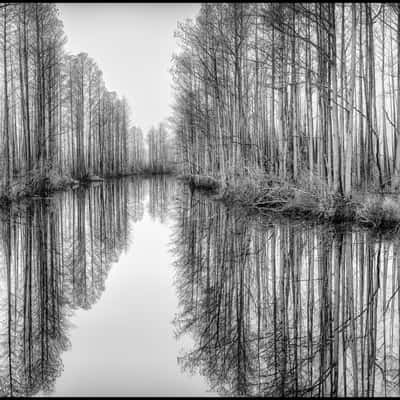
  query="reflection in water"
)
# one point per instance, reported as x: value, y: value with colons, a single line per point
x: 274, y: 308
x: 55, y: 255
x: 282, y: 309
x: 161, y: 189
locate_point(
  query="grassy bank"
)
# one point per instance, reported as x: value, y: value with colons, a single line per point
x: 303, y: 199
x: 35, y: 185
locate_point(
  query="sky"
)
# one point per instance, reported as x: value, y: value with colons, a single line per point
x: 133, y: 45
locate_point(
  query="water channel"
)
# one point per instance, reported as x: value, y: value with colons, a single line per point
x: 144, y: 287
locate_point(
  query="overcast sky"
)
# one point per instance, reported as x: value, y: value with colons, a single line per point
x: 133, y: 45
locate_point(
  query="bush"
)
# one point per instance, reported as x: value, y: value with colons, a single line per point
x: 379, y: 212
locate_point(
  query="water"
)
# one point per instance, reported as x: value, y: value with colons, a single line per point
x: 141, y: 287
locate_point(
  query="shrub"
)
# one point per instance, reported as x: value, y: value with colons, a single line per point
x: 380, y: 212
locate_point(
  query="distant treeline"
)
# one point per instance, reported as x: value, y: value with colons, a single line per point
x: 294, y: 89
x: 161, y: 156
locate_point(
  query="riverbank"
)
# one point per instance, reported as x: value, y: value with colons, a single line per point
x: 35, y: 185
x: 380, y: 211
x: 38, y: 186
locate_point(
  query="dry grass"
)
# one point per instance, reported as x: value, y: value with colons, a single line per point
x: 35, y: 184
x: 257, y: 189
x: 379, y: 212
x: 309, y: 198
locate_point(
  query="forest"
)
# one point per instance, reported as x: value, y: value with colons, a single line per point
x: 59, y: 123
x: 293, y: 106
x: 289, y: 113
x: 288, y: 107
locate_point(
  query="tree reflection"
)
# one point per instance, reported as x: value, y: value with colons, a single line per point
x: 279, y: 309
x: 56, y: 254
x: 161, y: 189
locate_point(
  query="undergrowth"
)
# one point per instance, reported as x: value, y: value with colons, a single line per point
x: 307, y: 198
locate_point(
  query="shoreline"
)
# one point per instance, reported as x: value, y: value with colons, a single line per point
x: 371, y: 210
x: 21, y: 190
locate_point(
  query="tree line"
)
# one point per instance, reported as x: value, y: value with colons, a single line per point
x: 302, y: 89
x: 57, y: 118
x: 160, y: 150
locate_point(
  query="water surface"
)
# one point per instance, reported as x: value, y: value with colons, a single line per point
x: 87, y: 298
x: 142, y: 287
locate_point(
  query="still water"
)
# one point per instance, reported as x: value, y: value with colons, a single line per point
x: 142, y: 287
